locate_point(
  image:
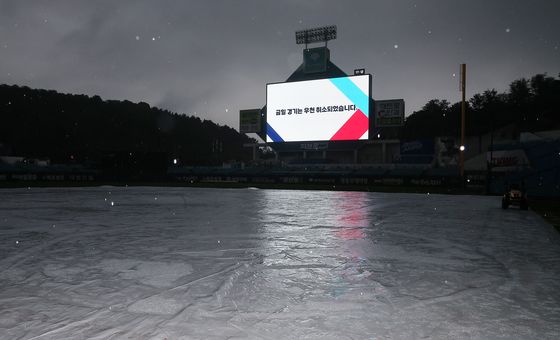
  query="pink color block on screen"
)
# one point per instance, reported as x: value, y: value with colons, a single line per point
x: 354, y: 128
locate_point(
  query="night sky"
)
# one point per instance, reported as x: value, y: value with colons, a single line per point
x: 213, y: 58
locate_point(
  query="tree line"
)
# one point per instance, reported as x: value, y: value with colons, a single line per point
x: 118, y: 135
x: 529, y: 104
x: 109, y: 133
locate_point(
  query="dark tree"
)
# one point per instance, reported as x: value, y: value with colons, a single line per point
x: 531, y: 105
x: 77, y: 128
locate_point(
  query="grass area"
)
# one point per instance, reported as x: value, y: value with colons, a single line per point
x: 549, y: 209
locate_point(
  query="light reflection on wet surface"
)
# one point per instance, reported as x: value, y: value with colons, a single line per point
x: 245, y: 263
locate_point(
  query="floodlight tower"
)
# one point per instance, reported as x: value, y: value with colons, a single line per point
x: 319, y: 34
x: 315, y: 60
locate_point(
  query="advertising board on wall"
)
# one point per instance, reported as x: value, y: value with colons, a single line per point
x: 420, y: 151
x: 319, y: 110
x: 507, y: 160
x: 389, y: 113
x: 250, y: 121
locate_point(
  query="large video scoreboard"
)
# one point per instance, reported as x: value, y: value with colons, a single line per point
x: 330, y: 109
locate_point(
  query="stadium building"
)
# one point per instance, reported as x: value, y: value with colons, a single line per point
x: 322, y: 115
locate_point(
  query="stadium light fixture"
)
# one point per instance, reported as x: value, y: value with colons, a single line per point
x: 318, y: 34
x: 359, y: 71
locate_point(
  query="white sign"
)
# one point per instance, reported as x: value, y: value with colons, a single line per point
x: 318, y: 110
x: 389, y: 112
x: 508, y: 160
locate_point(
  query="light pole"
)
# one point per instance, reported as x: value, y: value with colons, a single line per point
x: 489, y: 179
x: 462, y: 148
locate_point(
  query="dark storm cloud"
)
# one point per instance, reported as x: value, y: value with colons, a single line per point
x: 215, y: 57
